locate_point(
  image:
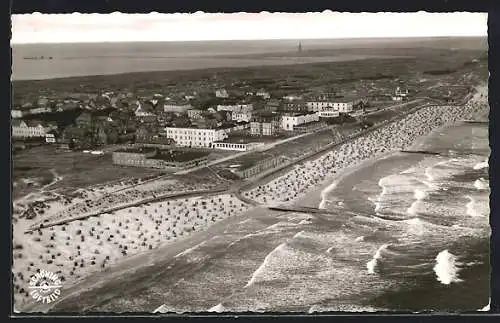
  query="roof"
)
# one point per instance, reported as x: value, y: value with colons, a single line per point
x: 138, y: 150
x: 34, y: 123
x: 238, y: 140
x: 16, y: 122
x: 180, y: 155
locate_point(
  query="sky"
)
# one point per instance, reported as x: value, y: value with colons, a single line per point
x: 76, y: 27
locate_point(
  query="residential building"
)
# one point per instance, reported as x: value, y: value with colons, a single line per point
x: 241, y: 116
x: 51, y: 136
x: 235, y: 107
x: 39, y: 110
x: 194, y: 114
x: 400, y: 94
x: 27, y: 129
x: 221, y: 93
x: 144, y: 109
x: 18, y: 113
x: 292, y: 97
x: 294, y: 106
x: 265, y: 125
x: 263, y: 94
x: 175, y: 107
x: 84, y: 119
x: 195, y: 137
x: 288, y: 122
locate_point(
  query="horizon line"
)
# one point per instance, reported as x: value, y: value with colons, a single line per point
x: 247, y: 39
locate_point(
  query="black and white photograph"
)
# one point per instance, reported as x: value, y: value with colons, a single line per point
x: 271, y: 162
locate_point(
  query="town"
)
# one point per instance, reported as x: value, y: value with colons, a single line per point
x: 164, y: 154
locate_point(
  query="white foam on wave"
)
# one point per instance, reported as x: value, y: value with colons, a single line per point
x: 187, y: 251
x: 372, y: 264
x: 358, y: 239
x: 486, y: 308
x: 481, y: 165
x: 419, y: 195
x: 481, y: 184
x: 416, y: 226
x: 219, y: 308
x: 305, y: 221
x: 428, y: 174
x: 472, y: 207
x: 446, y: 268
x: 409, y: 171
x: 261, y: 268
x: 324, y: 195
x: 298, y: 234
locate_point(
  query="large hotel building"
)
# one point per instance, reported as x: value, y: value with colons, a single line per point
x: 195, y: 137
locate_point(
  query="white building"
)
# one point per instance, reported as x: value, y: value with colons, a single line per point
x: 39, y: 110
x: 195, y: 137
x: 401, y: 92
x: 288, y: 122
x: 237, y: 146
x: 50, y: 138
x: 263, y: 94
x: 329, y: 113
x: 342, y: 107
x: 176, y: 108
x: 140, y: 112
x: 235, y: 107
x: 222, y: 93
x: 20, y: 129
x: 17, y: 113
x: 194, y: 114
x: 241, y: 116
x: 292, y: 97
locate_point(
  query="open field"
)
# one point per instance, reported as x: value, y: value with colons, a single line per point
x: 78, y: 170
x: 277, y: 79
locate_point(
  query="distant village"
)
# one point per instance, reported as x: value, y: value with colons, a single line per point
x: 86, y: 121
x: 225, y: 117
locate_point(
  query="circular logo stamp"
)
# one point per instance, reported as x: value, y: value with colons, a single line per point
x: 45, y: 286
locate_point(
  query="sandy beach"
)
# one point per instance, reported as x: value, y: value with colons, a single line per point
x: 133, y: 237
x: 399, y: 135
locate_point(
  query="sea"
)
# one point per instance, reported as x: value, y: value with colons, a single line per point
x: 61, y: 60
x: 408, y: 232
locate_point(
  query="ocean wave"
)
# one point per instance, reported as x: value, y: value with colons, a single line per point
x: 298, y: 234
x: 446, y: 268
x: 187, y: 251
x: 324, y: 195
x: 219, y: 308
x: 474, y: 208
x: 481, y: 165
x: 486, y: 308
x: 264, y: 264
x: 481, y: 184
x: 372, y: 264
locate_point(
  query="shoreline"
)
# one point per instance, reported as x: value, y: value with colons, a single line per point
x: 314, y: 197
x: 148, y: 259
x: 145, y: 260
x: 252, y: 64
